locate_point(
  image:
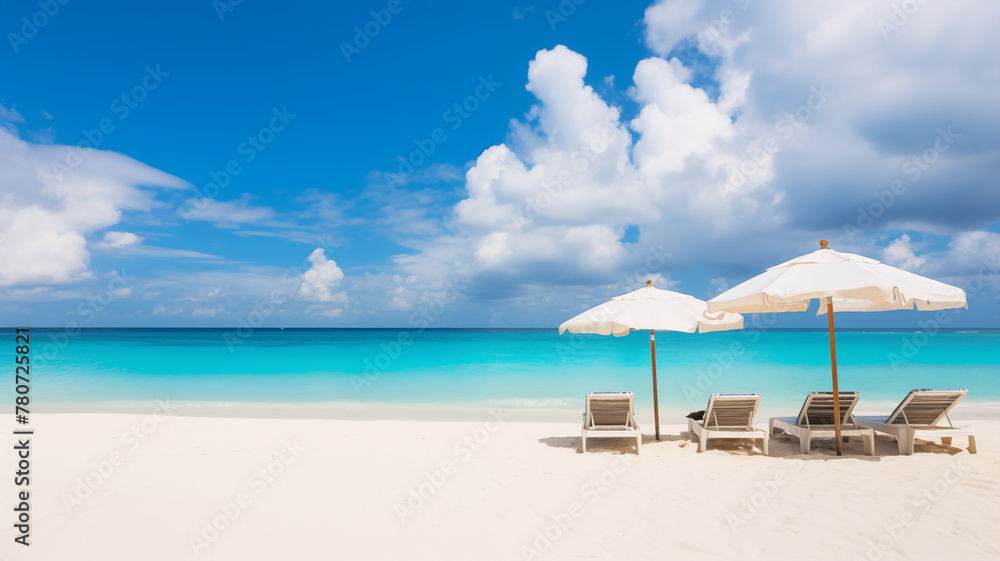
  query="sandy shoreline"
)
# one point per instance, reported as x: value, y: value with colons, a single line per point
x: 558, y: 412
x: 158, y: 486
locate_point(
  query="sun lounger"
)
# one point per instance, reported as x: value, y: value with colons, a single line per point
x: 728, y: 415
x: 918, y: 415
x: 610, y: 414
x: 816, y: 420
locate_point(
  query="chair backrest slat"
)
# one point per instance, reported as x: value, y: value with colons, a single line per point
x: 925, y: 407
x: 818, y: 408
x: 609, y: 409
x: 732, y: 410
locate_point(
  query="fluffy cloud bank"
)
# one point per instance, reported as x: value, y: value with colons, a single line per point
x: 755, y: 131
x: 48, y: 207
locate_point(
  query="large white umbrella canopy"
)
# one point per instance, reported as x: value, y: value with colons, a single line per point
x: 856, y: 283
x: 654, y: 309
x: 844, y: 282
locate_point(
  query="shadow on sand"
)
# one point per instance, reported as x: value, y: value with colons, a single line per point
x: 782, y: 446
x: 605, y: 445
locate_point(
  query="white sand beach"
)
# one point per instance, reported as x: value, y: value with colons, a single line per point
x: 123, y: 486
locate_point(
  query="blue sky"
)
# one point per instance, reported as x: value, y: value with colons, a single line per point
x: 487, y: 164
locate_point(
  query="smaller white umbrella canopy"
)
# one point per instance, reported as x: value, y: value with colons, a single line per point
x: 844, y: 282
x: 653, y: 309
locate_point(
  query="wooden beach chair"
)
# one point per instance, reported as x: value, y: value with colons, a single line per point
x: 610, y: 415
x: 816, y: 420
x: 728, y: 415
x: 918, y: 415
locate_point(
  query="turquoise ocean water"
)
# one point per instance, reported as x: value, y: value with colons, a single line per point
x: 521, y: 369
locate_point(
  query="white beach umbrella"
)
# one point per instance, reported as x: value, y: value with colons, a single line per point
x: 653, y: 309
x: 845, y: 282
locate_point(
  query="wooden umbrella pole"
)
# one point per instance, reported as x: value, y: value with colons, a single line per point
x: 833, y: 366
x: 656, y: 403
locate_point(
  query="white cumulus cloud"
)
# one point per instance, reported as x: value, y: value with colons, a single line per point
x: 52, y: 197
x: 121, y: 239
x: 322, y: 278
x: 900, y: 254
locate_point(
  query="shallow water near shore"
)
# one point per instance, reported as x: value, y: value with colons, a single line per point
x: 367, y: 370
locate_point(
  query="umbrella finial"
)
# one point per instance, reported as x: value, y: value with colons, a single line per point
x: 649, y: 282
x: 823, y: 244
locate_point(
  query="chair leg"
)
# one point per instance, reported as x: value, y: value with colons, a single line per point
x: 702, y: 442
x: 946, y: 440
x: 869, y: 442
x: 804, y: 442
x: 638, y: 443
x: 972, y: 444
x: 765, y: 445
x: 584, y: 443
x: 906, y: 446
